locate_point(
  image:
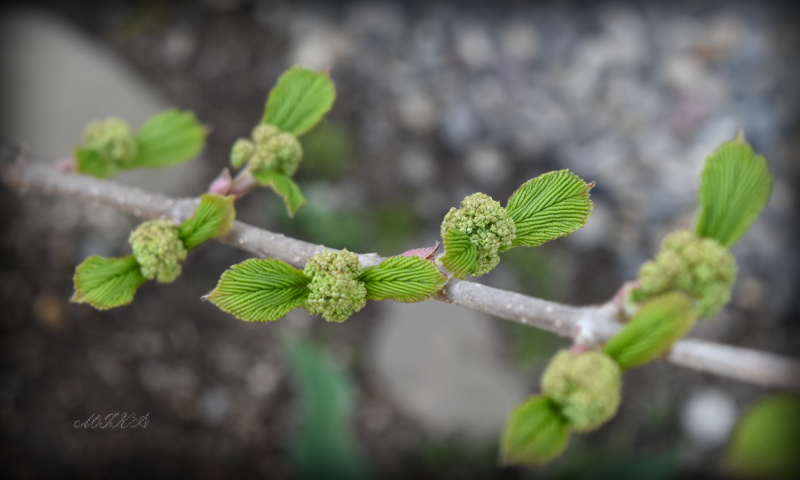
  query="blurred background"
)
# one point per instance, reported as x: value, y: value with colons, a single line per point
x: 436, y: 100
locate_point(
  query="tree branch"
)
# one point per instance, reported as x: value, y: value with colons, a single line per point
x: 592, y: 325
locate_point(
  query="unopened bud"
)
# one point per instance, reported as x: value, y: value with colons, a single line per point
x: 585, y: 386
x: 158, y: 249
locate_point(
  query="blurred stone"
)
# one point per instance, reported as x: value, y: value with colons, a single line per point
x: 214, y: 405
x: 147, y: 343
x: 486, y: 165
x: 708, y: 417
x: 417, y: 166
x: 261, y: 379
x: 229, y: 359
x: 749, y: 293
x: 438, y: 364
x: 108, y: 367
x: 176, y: 382
x: 371, y: 21
x: 474, y: 47
x: 518, y: 41
x: 315, y: 42
x: 459, y: 125
x: 179, y: 47
x: 417, y: 112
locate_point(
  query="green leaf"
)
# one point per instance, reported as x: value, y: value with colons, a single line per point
x: 404, y: 279
x: 549, y: 206
x: 283, y: 186
x: 766, y: 440
x: 299, y: 100
x: 651, y: 332
x: 735, y: 187
x: 213, y: 218
x: 90, y: 162
x: 169, y: 138
x: 324, y: 446
x: 260, y: 290
x: 460, y: 254
x: 107, y: 282
x: 535, y: 433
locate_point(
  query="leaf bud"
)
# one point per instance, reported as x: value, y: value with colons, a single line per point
x: 700, y: 267
x: 112, y: 139
x: 488, y: 226
x: 158, y: 249
x: 586, y: 387
x: 335, y: 291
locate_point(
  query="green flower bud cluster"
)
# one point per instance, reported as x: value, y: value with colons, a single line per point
x: 112, y: 139
x: 586, y: 387
x: 158, y: 248
x: 700, y: 267
x: 488, y: 225
x: 270, y: 150
x: 335, y: 291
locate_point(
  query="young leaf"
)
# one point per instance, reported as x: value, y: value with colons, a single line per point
x: 299, y: 100
x: 213, y: 218
x: 735, y: 187
x: 107, y: 282
x: 460, y: 254
x: 283, y: 186
x: 535, y: 433
x: 260, y: 290
x: 404, y: 279
x: 90, y: 162
x: 549, y: 206
x: 168, y: 138
x: 659, y: 324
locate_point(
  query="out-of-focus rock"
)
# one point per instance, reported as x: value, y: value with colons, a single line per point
x: 438, y: 364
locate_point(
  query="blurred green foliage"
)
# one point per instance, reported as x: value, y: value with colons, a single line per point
x: 327, y: 152
x: 385, y: 228
x: 598, y: 464
x: 324, y: 446
x: 441, y: 458
x: 537, y: 271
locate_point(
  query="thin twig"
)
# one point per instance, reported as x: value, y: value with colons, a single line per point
x: 592, y: 325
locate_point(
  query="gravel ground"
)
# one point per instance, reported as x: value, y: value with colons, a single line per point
x: 434, y: 101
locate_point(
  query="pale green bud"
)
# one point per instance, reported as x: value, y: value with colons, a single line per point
x: 335, y: 289
x: 585, y: 386
x: 488, y: 225
x: 278, y: 153
x: 158, y: 249
x: 700, y: 267
x: 263, y: 132
x: 112, y: 139
x: 241, y: 152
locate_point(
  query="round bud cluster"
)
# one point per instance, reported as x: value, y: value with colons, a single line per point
x: 488, y: 225
x: 158, y: 249
x: 270, y: 150
x: 335, y: 289
x: 112, y: 139
x: 585, y: 386
x: 700, y: 267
